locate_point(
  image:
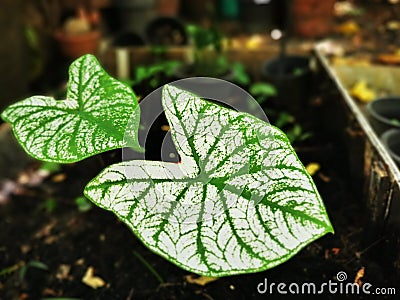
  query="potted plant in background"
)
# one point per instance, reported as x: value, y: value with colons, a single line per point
x: 79, y: 34
x: 166, y: 31
x: 291, y: 75
x: 57, y: 32
x: 311, y: 18
x: 384, y: 114
x: 168, y: 8
x: 208, y: 57
x: 133, y: 15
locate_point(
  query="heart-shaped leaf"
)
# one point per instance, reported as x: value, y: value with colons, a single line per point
x: 91, y: 120
x: 240, y: 201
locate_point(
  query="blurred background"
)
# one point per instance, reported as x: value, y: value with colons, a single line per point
x: 40, y: 38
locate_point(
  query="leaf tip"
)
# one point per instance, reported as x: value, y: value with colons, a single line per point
x: 330, y: 229
x: 3, y: 115
x: 166, y: 88
x: 87, y: 57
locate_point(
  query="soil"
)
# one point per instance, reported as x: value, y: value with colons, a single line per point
x: 67, y: 242
x: 67, y: 239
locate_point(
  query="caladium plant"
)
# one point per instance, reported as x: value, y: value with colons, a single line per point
x: 91, y: 120
x: 239, y: 201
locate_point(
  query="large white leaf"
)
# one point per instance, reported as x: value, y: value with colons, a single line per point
x: 240, y: 200
x: 91, y: 120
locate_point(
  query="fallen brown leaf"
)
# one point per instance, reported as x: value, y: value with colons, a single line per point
x: 45, y: 231
x: 393, y: 25
x: 390, y: 59
x: 63, y: 272
x: 25, y: 248
x: 59, y: 178
x: 359, y: 276
x: 51, y: 239
x: 313, y: 168
x: 324, y: 177
x: 202, y: 280
x: 23, y: 296
x: 348, y: 28
x: 335, y: 251
x: 51, y: 292
x: 94, y: 282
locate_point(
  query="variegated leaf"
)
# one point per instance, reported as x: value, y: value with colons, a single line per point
x: 240, y: 201
x: 91, y: 120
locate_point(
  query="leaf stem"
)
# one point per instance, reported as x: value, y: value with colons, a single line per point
x: 149, y: 267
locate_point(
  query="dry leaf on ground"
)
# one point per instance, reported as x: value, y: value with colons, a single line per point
x: 94, y: 282
x: 359, y: 276
x: 313, y: 168
x: 202, y: 280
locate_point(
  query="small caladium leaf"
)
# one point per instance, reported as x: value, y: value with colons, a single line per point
x: 240, y: 201
x: 91, y: 120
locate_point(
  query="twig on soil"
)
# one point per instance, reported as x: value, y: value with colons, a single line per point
x: 359, y: 253
x: 168, y: 284
x: 149, y: 267
x: 204, y: 294
x: 130, y: 295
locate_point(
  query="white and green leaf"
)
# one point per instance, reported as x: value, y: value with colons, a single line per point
x: 91, y: 120
x: 240, y: 201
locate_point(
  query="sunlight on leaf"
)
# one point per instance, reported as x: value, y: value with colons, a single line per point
x: 91, y: 120
x: 240, y: 201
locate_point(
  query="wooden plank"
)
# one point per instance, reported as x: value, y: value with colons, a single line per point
x: 377, y: 184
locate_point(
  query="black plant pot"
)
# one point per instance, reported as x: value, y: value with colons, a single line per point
x: 292, y: 78
x: 166, y: 31
x: 384, y: 114
x: 259, y: 17
x: 391, y: 140
x: 134, y: 15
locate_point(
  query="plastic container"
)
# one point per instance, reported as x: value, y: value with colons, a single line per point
x: 391, y: 140
x: 384, y: 114
x: 76, y: 45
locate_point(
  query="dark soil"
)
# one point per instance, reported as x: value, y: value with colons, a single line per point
x: 97, y: 239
